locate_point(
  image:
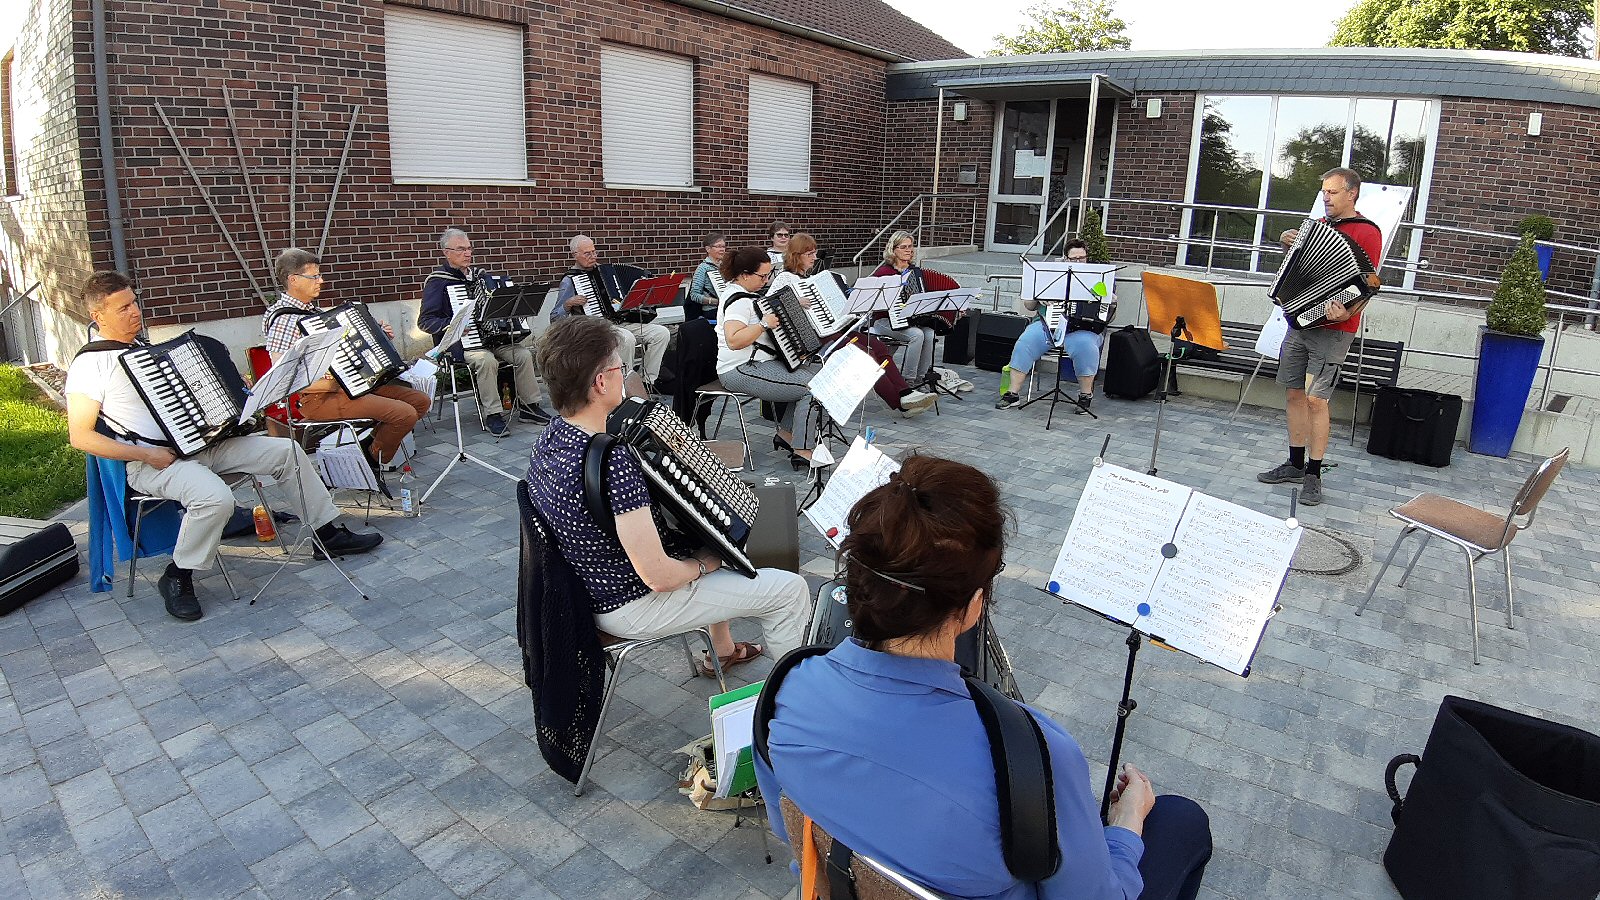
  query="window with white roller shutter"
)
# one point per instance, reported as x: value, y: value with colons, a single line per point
x: 780, y: 134
x: 646, y: 117
x: 456, y: 112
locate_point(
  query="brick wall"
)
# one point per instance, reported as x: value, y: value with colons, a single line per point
x: 384, y: 235
x: 909, y: 136
x: 44, y: 235
x: 1152, y: 163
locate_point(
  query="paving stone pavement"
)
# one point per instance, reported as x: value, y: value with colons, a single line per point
x: 319, y: 745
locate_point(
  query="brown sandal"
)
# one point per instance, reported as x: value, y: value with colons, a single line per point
x: 743, y: 652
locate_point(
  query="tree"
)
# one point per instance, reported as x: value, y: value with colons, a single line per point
x: 1528, y: 26
x: 1080, y: 25
x: 1094, y: 236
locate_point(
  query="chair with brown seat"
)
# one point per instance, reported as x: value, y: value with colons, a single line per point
x: 1477, y: 532
x: 867, y: 878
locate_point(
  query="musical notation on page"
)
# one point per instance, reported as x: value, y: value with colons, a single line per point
x: 864, y: 468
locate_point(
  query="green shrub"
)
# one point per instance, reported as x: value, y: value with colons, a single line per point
x: 1518, y: 304
x: 1094, y: 236
x: 1543, y: 228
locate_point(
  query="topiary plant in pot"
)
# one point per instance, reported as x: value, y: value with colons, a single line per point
x: 1094, y: 236
x: 1543, y: 228
x: 1508, y: 353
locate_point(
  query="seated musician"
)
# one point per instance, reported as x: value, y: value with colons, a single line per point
x: 655, y: 337
x: 100, y: 395
x: 879, y: 742
x: 395, y: 406
x: 778, y: 236
x: 434, y: 318
x: 748, y: 363
x: 800, y: 259
x: 702, y: 290
x: 1081, y: 344
x: 639, y: 591
x: 898, y: 254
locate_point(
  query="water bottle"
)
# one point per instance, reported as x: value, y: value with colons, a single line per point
x: 405, y: 500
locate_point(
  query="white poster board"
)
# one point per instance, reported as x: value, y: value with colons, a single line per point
x: 1384, y: 204
x: 1198, y: 574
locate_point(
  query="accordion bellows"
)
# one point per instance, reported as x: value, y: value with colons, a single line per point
x: 1324, y: 264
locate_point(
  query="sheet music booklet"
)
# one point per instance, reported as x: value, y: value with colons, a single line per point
x: 845, y: 380
x: 874, y: 294
x: 929, y: 302
x: 864, y: 468
x: 457, y: 328
x: 1198, y: 574
x: 304, y: 362
x: 1049, y: 281
x: 341, y: 462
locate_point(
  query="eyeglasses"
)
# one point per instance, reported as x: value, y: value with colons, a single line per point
x: 783, y: 234
x: 845, y: 561
x: 765, y: 276
x: 615, y: 368
x: 459, y: 249
x: 317, y: 277
x: 1082, y: 257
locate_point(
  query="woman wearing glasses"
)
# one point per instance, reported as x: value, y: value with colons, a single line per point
x: 702, y: 288
x: 880, y: 743
x: 798, y: 262
x: 778, y: 234
x: 897, y: 256
x: 1080, y: 342
x: 747, y: 358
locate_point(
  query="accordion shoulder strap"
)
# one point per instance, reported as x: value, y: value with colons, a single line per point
x: 104, y: 423
x: 275, y: 315
x: 1353, y: 220
x: 596, y: 481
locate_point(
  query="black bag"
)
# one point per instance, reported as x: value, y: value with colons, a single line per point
x: 34, y: 557
x: 1414, y: 425
x: 1503, y: 806
x: 1133, y: 367
x: 961, y: 344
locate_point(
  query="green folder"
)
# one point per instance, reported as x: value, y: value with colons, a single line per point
x: 731, y: 716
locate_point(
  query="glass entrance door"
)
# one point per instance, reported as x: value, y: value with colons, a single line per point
x: 1021, y: 173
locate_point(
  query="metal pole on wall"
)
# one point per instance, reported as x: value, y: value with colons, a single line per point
x: 338, y: 179
x: 244, y: 172
x: 206, y: 196
x: 938, y: 145
x: 1088, y: 143
x: 294, y: 160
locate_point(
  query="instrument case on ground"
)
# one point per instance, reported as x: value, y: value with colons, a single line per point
x: 35, y: 556
x: 1133, y: 367
x: 1503, y: 806
x: 961, y: 344
x: 1414, y: 425
x: 774, y: 540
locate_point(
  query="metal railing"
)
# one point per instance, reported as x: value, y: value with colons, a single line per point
x: 927, y: 206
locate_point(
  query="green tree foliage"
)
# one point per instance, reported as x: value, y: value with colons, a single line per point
x: 1518, y: 304
x: 1542, y: 227
x: 1094, y: 236
x: 1528, y: 26
x: 1079, y: 25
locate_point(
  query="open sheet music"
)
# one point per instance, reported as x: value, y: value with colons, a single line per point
x: 865, y: 467
x: 1199, y: 574
x: 873, y: 293
x: 1062, y: 280
x: 845, y: 380
x: 928, y: 302
x: 304, y: 362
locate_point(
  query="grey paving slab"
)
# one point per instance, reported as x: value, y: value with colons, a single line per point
x: 316, y: 745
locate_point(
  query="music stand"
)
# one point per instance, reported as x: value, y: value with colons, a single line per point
x: 1182, y: 309
x: 1064, y: 282
x: 515, y: 301
x: 304, y: 362
x: 953, y: 300
x: 452, y: 336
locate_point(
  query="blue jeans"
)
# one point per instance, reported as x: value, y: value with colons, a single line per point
x: 1082, y: 346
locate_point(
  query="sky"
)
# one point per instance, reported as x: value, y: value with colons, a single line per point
x: 1152, y: 24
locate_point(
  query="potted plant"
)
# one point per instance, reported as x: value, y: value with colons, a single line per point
x: 1509, y: 345
x: 1543, y: 228
x: 1094, y: 236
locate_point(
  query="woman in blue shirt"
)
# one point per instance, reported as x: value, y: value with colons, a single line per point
x: 880, y: 743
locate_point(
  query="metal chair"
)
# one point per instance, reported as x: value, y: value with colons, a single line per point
x: 144, y: 502
x: 1476, y: 531
x: 872, y: 880
x: 713, y: 392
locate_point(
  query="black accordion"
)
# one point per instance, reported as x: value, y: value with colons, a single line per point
x: 706, y: 500
x: 1324, y: 264
x: 604, y: 287
x: 192, y: 388
x: 366, y: 357
x: 796, y: 336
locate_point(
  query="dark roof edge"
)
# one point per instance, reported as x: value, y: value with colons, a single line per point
x: 1491, y: 57
x: 728, y: 10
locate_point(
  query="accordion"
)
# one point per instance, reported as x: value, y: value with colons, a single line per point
x: 366, y: 357
x: 604, y: 286
x: 826, y: 295
x: 1080, y: 315
x: 796, y: 337
x: 192, y: 389
x: 921, y: 281
x: 1324, y: 264
x: 704, y: 498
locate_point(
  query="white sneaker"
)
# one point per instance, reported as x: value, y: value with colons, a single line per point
x: 916, y: 403
x: 952, y: 380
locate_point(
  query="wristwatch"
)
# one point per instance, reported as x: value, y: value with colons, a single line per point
x: 702, y: 563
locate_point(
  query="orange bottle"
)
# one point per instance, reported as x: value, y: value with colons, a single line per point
x: 265, y: 530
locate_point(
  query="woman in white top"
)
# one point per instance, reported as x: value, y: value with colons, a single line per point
x: 747, y: 362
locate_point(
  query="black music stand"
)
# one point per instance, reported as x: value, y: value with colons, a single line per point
x: 1070, y: 278
x: 946, y: 304
x: 514, y: 301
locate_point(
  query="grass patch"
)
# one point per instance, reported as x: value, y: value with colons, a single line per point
x: 39, y: 470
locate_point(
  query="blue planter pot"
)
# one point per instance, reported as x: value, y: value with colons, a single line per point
x: 1545, y: 255
x: 1507, y: 364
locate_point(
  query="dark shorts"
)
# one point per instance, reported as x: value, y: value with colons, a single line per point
x: 1318, y: 352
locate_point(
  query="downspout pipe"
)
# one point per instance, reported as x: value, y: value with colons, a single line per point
x: 108, y: 162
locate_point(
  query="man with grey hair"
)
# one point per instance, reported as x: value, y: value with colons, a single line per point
x: 435, y: 316
x: 1317, y: 353
x: 585, y: 260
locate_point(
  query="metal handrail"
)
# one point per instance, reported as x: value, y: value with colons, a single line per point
x: 917, y: 201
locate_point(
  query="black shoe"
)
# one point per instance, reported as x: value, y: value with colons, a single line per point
x: 495, y: 424
x: 341, y: 541
x: 177, y: 588
x: 779, y: 443
x: 1008, y: 400
x: 1083, y: 403
x: 533, y: 412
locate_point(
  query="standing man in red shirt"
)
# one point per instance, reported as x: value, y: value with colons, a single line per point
x: 1319, y: 352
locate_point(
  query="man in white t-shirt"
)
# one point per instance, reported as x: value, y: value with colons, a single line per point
x: 100, y: 393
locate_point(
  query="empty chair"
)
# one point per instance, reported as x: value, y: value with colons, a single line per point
x: 1478, y: 532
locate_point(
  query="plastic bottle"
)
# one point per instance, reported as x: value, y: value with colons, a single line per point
x: 405, y: 500
x: 1005, y: 379
x: 265, y: 529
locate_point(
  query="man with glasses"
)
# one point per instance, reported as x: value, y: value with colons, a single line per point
x: 1319, y: 352
x: 395, y: 406
x: 1081, y: 344
x: 586, y: 259
x: 435, y: 316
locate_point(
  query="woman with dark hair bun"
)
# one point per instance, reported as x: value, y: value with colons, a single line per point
x: 880, y: 743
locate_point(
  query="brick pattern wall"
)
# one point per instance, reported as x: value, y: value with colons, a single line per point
x: 1152, y: 163
x: 44, y: 234
x: 384, y: 235
x: 909, y: 135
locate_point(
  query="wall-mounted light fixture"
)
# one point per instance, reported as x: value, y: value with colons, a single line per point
x: 959, y: 111
x: 1535, y: 124
x: 1152, y: 108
